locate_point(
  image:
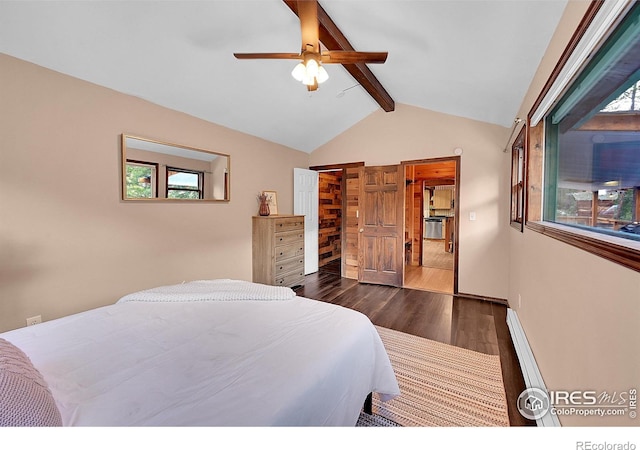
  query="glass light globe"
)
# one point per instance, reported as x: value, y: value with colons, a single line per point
x: 312, y: 68
x: 322, y: 75
x: 299, y: 72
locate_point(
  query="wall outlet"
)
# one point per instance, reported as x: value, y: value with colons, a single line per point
x: 472, y: 215
x: 34, y: 320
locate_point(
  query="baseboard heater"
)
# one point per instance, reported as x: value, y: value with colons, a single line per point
x: 530, y: 371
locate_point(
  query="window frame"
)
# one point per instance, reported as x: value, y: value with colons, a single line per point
x: 621, y: 251
x: 154, y: 174
x: 199, y: 189
x: 518, y: 181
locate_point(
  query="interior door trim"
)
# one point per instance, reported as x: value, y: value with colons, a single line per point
x: 456, y: 239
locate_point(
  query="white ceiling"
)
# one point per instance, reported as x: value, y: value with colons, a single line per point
x: 473, y: 58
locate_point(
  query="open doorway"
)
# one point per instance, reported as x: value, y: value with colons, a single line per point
x: 430, y: 221
x: 342, y: 195
x: 431, y: 224
x: 330, y: 220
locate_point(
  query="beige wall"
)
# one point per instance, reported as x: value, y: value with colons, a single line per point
x: 580, y: 312
x: 411, y: 133
x: 67, y: 241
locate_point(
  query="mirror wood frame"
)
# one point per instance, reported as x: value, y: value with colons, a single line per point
x: 170, y: 157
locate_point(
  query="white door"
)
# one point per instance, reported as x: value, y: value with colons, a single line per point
x: 305, y: 202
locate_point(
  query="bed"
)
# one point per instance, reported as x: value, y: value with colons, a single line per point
x: 210, y: 353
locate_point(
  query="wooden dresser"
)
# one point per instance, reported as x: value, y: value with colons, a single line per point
x: 278, y: 250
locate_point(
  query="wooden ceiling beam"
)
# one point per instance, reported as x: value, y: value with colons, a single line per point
x: 333, y: 39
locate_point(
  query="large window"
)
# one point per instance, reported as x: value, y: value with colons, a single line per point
x: 591, y: 172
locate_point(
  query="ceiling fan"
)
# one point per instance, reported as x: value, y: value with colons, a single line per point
x: 310, y: 71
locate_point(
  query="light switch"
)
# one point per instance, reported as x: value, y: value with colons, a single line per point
x: 472, y: 215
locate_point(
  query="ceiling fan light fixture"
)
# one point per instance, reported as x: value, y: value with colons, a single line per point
x: 308, y: 81
x: 310, y: 72
x: 314, y: 53
x: 312, y: 67
x: 322, y: 75
x: 299, y: 72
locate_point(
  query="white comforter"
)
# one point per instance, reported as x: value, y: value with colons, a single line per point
x: 225, y: 361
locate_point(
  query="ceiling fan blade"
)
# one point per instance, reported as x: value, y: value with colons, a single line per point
x: 267, y: 56
x: 308, y: 14
x: 347, y: 57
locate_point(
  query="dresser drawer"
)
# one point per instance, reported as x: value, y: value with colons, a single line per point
x: 289, y: 224
x: 289, y: 265
x: 290, y: 280
x: 289, y: 251
x: 291, y: 237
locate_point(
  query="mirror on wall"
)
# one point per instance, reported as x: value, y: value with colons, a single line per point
x: 154, y: 170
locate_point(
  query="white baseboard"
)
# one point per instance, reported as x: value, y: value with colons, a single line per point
x: 530, y: 371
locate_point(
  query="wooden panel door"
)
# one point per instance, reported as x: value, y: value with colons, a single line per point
x: 381, y: 246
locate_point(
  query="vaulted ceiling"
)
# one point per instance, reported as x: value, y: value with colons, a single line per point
x: 473, y: 59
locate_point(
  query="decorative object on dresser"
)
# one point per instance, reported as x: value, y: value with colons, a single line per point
x: 263, y: 201
x: 278, y: 250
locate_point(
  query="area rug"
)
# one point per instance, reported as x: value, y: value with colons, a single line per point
x: 440, y: 385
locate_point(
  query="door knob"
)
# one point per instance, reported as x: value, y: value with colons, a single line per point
x: 361, y: 230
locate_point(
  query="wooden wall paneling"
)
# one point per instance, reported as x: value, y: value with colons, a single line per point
x: 329, y: 217
x: 413, y: 215
x: 416, y: 239
x: 350, y: 198
x: 533, y: 181
x: 436, y: 171
x: 408, y: 211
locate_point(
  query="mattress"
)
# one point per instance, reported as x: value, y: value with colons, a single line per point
x: 210, y: 353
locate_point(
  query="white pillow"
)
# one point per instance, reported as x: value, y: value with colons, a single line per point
x: 25, y: 398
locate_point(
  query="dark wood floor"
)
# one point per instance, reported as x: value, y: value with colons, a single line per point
x: 463, y: 322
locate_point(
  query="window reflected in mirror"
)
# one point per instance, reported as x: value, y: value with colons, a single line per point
x: 141, y: 181
x: 183, y: 183
x: 154, y: 170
